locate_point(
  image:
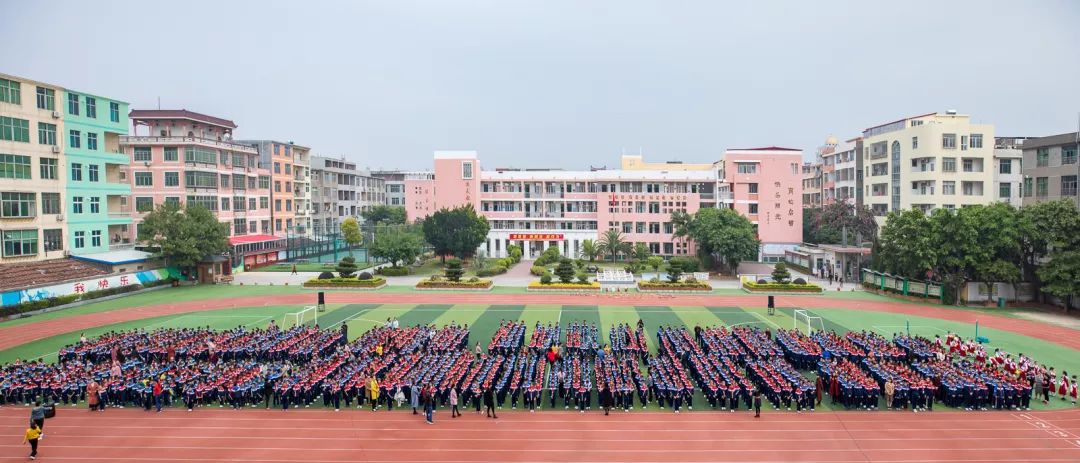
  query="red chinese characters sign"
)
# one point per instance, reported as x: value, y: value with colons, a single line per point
x: 536, y: 236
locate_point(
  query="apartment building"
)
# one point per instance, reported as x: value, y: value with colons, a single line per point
x: 98, y: 193
x: 289, y: 166
x: 370, y: 191
x: 32, y: 178
x: 934, y: 160
x: 537, y: 208
x: 394, y: 184
x: 839, y: 164
x: 333, y: 193
x: 1050, y: 168
x: 810, y: 177
x: 184, y: 156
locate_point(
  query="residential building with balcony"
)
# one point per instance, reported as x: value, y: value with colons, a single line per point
x: 394, y: 184
x: 288, y: 164
x: 180, y: 156
x: 1008, y: 170
x: 811, y: 179
x: 1050, y: 168
x: 333, y: 194
x: 930, y: 161
x: 98, y: 193
x: 839, y: 165
x: 537, y: 208
x: 33, y: 177
x: 370, y: 191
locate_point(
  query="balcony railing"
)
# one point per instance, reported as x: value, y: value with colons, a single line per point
x: 134, y: 140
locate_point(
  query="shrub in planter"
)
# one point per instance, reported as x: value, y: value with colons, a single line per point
x: 799, y: 281
x: 687, y: 264
x: 473, y: 280
x: 538, y: 270
x: 435, y: 278
x: 763, y: 281
x: 565, y: 270
x: 583, y: 278
x: 453, y: 270
x: 675, y: 270
x: 347, y: 266
x: 491, y: 271
x: 326, y: 276
x: 780, y: 273
x: 393, y: 271
x: 545, y: 279
x: 363, y: 276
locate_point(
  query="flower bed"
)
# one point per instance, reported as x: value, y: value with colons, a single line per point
x: 567, y: 287
x: 753, y: 287
x: 354, y: 283
x: 479, y: 285
x: 665, y: 286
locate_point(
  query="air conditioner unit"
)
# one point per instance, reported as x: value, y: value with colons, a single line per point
x: 59, y: 217
x: 56, y: 114
x: 56, y: 149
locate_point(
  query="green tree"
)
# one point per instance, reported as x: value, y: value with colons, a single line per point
x: 999, y: 229
x: 453, y: 271
x: 346, y: 267
x: 997, y: 271
x: 957, y: 252
x: 721, y: 234
x: 589, y: 250
x: 655, y: 262
x: 350, y: 232
x: 827, y: 224
x: 907, y: 245
x: 1044, y: 227
x: 184, y: 235
x: 612, y: 243
x: 780, y: 273
x: 565, y: 270
x: 1061, y: 275
x: 641, y: 252
x: 397, y: 244
x: 386, y: 215
x: 456, y: 232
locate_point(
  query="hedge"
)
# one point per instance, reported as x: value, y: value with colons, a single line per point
x: 345, y: 283
x: 491, y: 271
x: 393, y: 271
x: 668, y: 286
x: 538, y: 270
x: 586, y: 286
x: 42, y: 304
x: 479, y: 284
x: 782, y: 287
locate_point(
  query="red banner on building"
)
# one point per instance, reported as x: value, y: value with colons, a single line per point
x: 536, y: 236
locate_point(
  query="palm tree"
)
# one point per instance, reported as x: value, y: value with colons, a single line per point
x: 589, y: 250
x: 681, y: 222
x: 641, y: 252
x: 611, y: 243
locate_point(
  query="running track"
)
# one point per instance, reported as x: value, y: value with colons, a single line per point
x: 22, y: 334
x: 273, y: 436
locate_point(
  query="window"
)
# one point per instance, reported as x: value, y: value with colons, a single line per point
x: 76, y: 204
x: 277, y: 186
x: 144, y: 203
x: 1068, y: 185
x: 225, y: 180
x: 224, y: 204
x: 264, y: 182
x: 224, y: 158
x: 277, y: 205
x: 1027, y: 187
x: 143, y: 154
x: 753, y: 208
x: 238, y: 203
x: 971, y: 166
x: 200, y: 155
x: 288, y: 169
x: 10, y: 92
x: 172, y: 178
x: 1005, y: 167
x: 92, y: 173
x: 76, y: 172
x: 753, y: 188
x: 50, y: 203
x: 654, y: 207
x: 746, y: 167
x: 209, y: 202
x: 963, y: 143
x: 14, y: 166
x: 288, y: 187
x: 74, y: 139
x: 239, y: 226
x: 948, y: 141
x: 277, y: 167
x: 95, y: 238
x: 914, y: 143
x: 80, y: 239
x: 1042, y: 157
x: 53, y: 239
x: 975, y: 140
x: 46, y: 134
x: 14, y: 129
x: 1005, y: 190
x: 1068, y: 155
x: 114, y: 112
x: 195, y: 179
x: 171, y: 154
x: 251, y: 204
x: 20, y: 243
x: 948, y: 164
x: 73, y: 104
x: 467, y: 170
x: 91, y: 141
x: 95, y: 205
x: 48, y: 168
x: 46, y: 99
x: 1042, y: 187
x: 264, y: 202
x: 144, y: 179
x: 948, y: 187
x: 91, y: 107
x: 172, y: 200
x: 17, y: 204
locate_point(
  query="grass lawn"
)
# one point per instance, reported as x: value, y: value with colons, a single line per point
x: 483, y: 319
x: 309, y: 266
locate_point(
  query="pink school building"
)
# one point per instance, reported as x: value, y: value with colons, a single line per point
x: 185, y: 157
x: 537, y: 209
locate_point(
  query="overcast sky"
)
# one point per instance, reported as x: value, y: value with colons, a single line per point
x: 560, y: 83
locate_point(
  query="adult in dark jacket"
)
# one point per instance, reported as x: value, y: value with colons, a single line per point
x: 489, y: 402
x: 606, y: 399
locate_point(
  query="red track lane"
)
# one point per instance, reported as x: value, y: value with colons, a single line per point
x: 22, y: 334
x: 210, y: 435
